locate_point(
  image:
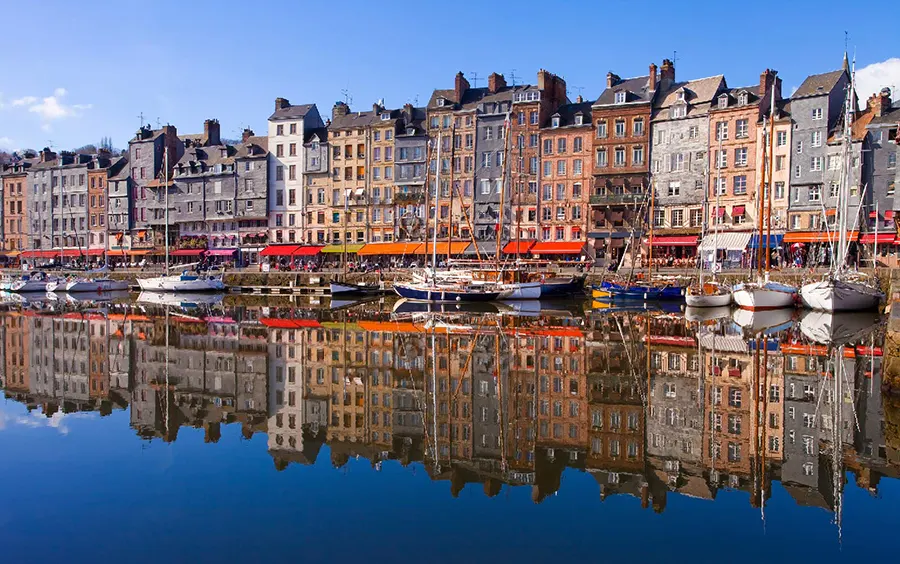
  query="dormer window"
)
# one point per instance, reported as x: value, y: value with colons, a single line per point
x: 440, y: 101
x: 555, y: 121
x: 314, y: 146
x: 679, y: 110
x: 410, y: 131
x: 680, y: 96
x: 385, y: 116
x: 223, y: 153
x: 579, y: 119
x: 742, y: 99
x: 723, y: 101
x: 620, y: 97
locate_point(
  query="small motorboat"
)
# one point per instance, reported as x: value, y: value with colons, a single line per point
x: 184, y: 282
x: 613, y: 291
x: 710, y: 294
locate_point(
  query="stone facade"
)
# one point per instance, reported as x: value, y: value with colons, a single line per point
x: 882, y: 130
x: 410, y: 162
x: 350, y: 136
x: 317, y: 171
x: 380, y: 173
x: 146, y: 157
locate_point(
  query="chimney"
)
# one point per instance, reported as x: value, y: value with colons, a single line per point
x: 579, y: 99
x: 339, y: 109
x: 652, y: 80
x: 496, y: 82
x: 211, y: 132
x: 612, y: 79
x: 460, y: 86
x: 667, y: 74
x: 767, y: 81
x: 376, y: 108
x: 543, y: 80
x: 880, y: 103
x: 47, y: 155
x: 281, y: 103
x: 246, y: 135
x: 408, y: 111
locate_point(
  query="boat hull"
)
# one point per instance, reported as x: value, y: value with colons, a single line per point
x: 182, y: 284
x: 29, y: 286
x: 560, y: 288
x: 521, y: 291
x: 761, y: 297
x: 443, y: 295
x: 610, y: 290
x: 837, y: 295
x: 342, y: 289
x: 96, y: 286
x: 707, y: 300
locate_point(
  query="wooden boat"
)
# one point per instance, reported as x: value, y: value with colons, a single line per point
x: 613, y: 291
x: 449, y: 293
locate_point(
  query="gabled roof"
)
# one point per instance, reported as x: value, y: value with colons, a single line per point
x: 292, y: 112
x: 818, y: 84
x: 698, y: 94
x: 416, y: 120
x: 890, y: 117
x: 320, y: 134
x: 733, y: 95
x: 354, y: 119
x: 637, y: 90
x: 255, y: 146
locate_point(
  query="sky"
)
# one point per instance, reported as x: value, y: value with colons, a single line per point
x: 76, y: 75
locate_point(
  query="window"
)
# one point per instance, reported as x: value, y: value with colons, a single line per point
x: 601, y: 129
x: 674, y: 189
x: 817, y: 113
x: 677, y: 218
x: 561, y: 145
x: 815, y: 193
x: 741, y: 129
x: 659, y: 218
x: 815, y: 139
x: 679, y: 111
x: 560, y: 168
x: 833, y: 190
x: 279, y: 173
x: 781, y: 138
x: 602, y: 159
x: 798, y: 171
x: 721, y: 187
x: 620, y: 156
x: 620, y: 97
x: 734, y: 397
x: 696, y: 218
x: 721, y: 130
x: 637, y: 127
x: 693, y: 132
x: 815, y: 164
x: 577, y: 146
x: 779, y: 190
x: 292, y: 173
x: 533, y: 118
x: 620, y: 128
x: 740, y: 185
x: 892, y: 160
x: 548, y: 146
x: 722, y: 158
x: 779, y: 162
x: 279, y: 150
x: 740, y: 156
x: 637, y: 155
x: 485, y: 187
x: 577, y: 167
x: 548, y: 168
x: 676, y: 162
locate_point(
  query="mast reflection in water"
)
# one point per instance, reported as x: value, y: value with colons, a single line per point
x: 649, y: 405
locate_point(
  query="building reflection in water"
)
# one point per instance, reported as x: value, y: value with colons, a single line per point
x: 646, y: 403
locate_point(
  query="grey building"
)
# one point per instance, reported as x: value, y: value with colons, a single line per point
x: 488, y: 417
x: 883, y: 174
x: 492, y: 108
x: 410, y: 162
x: 146, y: 155
x: 252, y: 206
x: 59, y: 201
x: 316, y: 167
x: 818, y: 109
x: 679, y: 150
x: 119, y: 211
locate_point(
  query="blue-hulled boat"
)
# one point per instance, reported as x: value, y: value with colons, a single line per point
x: 562, y: 287
x: 435, y: 293
x: 613, y: 291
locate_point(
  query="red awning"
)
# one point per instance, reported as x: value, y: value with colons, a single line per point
x: 518, y: 247
x: 308, y: 251
x: 737, y: 210
x: 883, y: 238
x: 675, y: 241
x: 831, y: 212
x: 40, y: 254
x: 873, y: 214
x: 279, y: 250
x: 558, y: 248
x: 889, y: 214
x: 186, y: 252
x: 221, y: 252
x: 95, y: 252
x: 278, y: 323
x: 719, y: 211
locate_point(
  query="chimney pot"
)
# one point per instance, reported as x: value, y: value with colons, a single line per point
x: 667, y: 73
x: 460, y: 86
x: 496, y: 82
x: 281, y: 103
x: 612, y: 79
x: 652, y: 79
x: 211, y: 132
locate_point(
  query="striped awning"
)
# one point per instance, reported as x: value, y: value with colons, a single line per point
x: 725, y: 241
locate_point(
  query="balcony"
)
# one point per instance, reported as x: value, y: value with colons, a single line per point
x: 409, y: 197
x: 616, y: 199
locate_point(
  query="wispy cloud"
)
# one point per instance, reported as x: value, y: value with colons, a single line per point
x: 872, y: 78
x: 6, y: 143
x: 48, y: 108
x: 23, y: 101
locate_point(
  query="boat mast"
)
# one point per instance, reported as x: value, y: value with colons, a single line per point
x: 437, y: 184
x: 650, y: 238
x: 716, y: 221
x: 760, y: 208
x: 768, y: 170
x: 450, y: 208
x: 843, y: 194
x: 346, y: 234
x: 503, y: 193
x: 166, y: 177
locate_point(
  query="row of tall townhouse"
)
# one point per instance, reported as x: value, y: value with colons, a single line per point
x: 569, y: 171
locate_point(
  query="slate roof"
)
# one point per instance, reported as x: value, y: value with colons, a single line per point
x: 292, y: 112
x: 153, y: 134
x: 733, y: 93
x: 818, y: 84
x: 637, y: 91
x: 474, y: 96
x: 255, y: 146
x: 890, y: 117
x: 320, y: 132
x: 354, y: 120
x: 699, y: 95
x: 417, y: 121
x: 567, y: 113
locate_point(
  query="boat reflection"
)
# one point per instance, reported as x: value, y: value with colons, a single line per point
x: 648, y: 403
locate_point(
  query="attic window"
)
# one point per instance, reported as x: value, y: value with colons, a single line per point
x: 620, y: 97
x: 223, y: 153
x: 579, y: 119
x: 555, y: 121
x: 679, y: 110
x: 385, y: 116
x: 742, y: 99
x: 680, y: 96
x: 440, y: 101
x: 723, y: 101
x: 410, y: 131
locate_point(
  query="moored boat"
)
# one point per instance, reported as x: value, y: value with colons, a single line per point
x: 840, y: 295
x: 761, y: 296
x: 437, y: 293
x: 183, y: 282
x: 613, y: 291
x: 34, y: 282
x: 710, y: 294
x: 99, y: 285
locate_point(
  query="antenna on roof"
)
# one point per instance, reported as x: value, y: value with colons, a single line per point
x: 675, y: 58
x: 158, y: 124
x: 474, y: 76
x: 577, y: 89
x: 141, y: 117
x: 348, y: 99
x: 512, y: 77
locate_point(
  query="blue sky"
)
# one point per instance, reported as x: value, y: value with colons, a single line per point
x: 75, y: 74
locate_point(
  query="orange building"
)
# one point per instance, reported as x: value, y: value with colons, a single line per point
x: 18, y: 351
x: 14, y: 182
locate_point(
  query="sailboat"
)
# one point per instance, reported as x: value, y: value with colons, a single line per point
x: 843, y: 289
x: 344, y: 287
x: 438, y: 290
x: 184, y: 282
x: 709, y: 293
x: 761, y: 294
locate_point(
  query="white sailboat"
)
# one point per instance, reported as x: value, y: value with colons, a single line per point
x: 843, y: 289
x: 184, y: 282
x: 709, y: 293
x: 761, y: 294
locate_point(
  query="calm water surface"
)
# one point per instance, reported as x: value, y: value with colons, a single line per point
x: 219, y: 432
